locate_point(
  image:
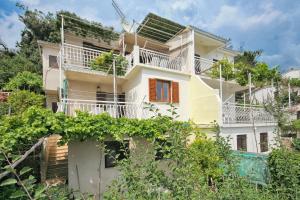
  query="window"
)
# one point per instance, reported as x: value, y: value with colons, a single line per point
x: 115, y: 151
x: 53, y: 61
x: 163, y: 91
x: 241, y: 142
x: 264, y: 142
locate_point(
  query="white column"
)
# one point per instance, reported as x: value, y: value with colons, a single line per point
x: 136, y: 55
x: 115, y: 88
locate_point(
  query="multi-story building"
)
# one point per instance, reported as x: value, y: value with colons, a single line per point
x: 167, y: 63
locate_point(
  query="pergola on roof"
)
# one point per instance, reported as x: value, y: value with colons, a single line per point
x: 158, y: 28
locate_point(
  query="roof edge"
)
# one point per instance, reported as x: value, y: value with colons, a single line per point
x: 208, y: 34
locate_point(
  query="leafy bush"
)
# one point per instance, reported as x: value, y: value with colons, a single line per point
x: 23, y: 99
x: 104, y: 63
x: 25, y: 81
x: 227, y: 70
x: 285, y: 172
x: 296, y: 144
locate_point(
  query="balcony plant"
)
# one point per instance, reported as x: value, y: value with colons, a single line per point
x: 104, y: 63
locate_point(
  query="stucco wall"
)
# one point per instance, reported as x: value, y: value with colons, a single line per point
x: 235, y: 130
x: 204, y: 102
x: 87, y: 90
x: 50, y: 75
x: 182, y: 79
x: 86, y: 165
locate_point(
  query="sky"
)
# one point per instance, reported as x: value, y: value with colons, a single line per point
x: 270, y: 25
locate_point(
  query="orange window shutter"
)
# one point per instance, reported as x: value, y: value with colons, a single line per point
x: 175, y: 92
x: 152, y: 89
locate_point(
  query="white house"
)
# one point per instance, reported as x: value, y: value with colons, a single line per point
x: 167, y: 63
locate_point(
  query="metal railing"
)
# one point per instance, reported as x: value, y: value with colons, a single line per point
x: 240, y: 114
x: 202, y: 65
x: 157, y: 59
x: 120, y: 109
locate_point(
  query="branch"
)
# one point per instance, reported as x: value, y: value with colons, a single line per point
x: 26, y: 154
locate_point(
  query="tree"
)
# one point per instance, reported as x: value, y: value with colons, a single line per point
x: 25, y: 81
x: 21, y: 100
x: 227, y: 70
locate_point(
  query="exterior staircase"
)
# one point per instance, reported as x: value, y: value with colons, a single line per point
x: 55, y: 161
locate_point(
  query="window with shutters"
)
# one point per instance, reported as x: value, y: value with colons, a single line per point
x: 241, y: 142
x: 163, y: 91
x: 264, y: 142
x: 53, y: 62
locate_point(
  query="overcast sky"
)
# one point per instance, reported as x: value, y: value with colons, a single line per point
x: 270, y: 25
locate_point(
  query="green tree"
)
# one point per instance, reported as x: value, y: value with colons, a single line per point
x: 25, y: 81
x: 23, y: 99
x: 227, y: 70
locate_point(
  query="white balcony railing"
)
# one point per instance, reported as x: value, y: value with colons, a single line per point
x: 79, y: 56
x: 157, y: 59
x: 120, y: 109
x: 202, y: 65
x: 240, y: 114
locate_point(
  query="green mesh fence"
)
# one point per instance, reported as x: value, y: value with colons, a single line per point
x: 253, y: 166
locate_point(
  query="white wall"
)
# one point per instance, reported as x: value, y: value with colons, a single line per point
x: 138, y: 86
x: 235, y: 130
x: 86, y: 165
x: 86, y: 168
x: 50, y: 75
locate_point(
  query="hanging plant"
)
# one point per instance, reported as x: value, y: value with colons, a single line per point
x: 104, y: 63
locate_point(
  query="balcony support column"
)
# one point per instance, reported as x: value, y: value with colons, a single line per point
x: 136, y: 55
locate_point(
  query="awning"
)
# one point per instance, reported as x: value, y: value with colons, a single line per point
x: 158, y: 28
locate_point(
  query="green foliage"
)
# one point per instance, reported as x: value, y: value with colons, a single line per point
x: 85, y: 28
x: 296, y: 144
x: 23, y: 99
x: 227, y: 69
x: 25, y: 81
x: 245, y: 64
x: 285, y: 172
x: 4, y: 108
x: 17, y: 131
x: 104, y: 63
x: 206, y: 157
x: 294, y: 82
x: 11, y: 64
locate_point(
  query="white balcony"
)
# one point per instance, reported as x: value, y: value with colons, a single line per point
x: 246, y: 114
x: 160, y: 60
x: 202, y: 64
x: 119, y: 109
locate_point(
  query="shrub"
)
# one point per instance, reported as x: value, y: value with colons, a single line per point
x: 21, y: 100
x: 25, y: 81
x: 285, y: 172
x: 104, y: 63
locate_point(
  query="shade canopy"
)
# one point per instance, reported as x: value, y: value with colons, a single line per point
x: 158, y: 28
